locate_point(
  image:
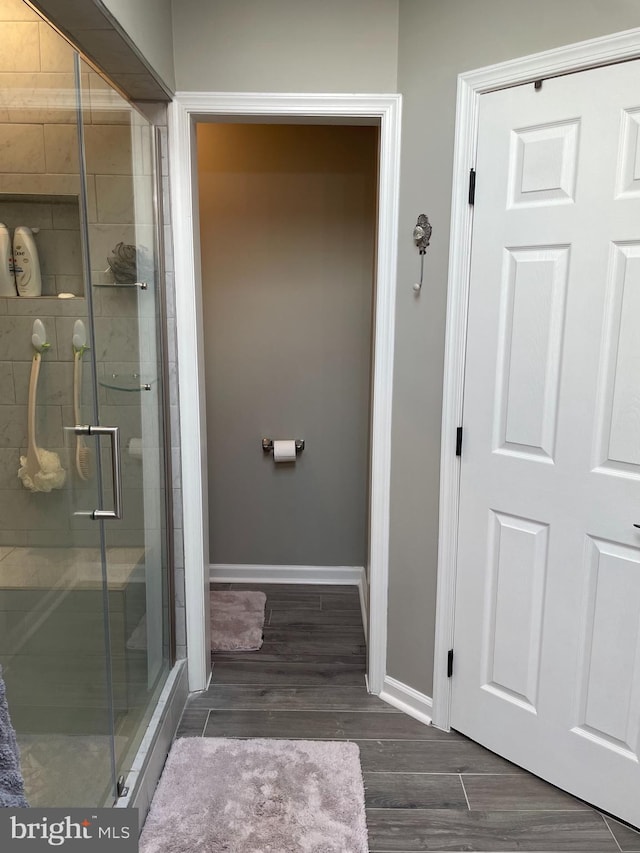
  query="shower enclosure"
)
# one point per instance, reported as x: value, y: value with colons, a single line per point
x: 85, y: 597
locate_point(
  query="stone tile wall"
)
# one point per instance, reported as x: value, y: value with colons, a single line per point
x: 41, y: 146
x: 58, y: 238
x: 39, y: 155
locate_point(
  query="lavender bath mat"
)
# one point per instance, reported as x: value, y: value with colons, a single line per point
x: 258, y: 796
x: 237, y: 620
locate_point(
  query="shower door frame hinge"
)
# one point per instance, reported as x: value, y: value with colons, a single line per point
x: 450, y: 663
x: 459, y: 432
x: 121, y: 788
x: 472, y: 186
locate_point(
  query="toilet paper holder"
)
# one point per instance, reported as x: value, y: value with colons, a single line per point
x: 267, y: 445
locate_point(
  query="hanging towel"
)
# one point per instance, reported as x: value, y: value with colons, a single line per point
x: 11, y: 781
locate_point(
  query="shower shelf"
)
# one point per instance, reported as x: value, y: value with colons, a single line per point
x: 52, y: 296
x: 141, y: 284
x: 124, y: 382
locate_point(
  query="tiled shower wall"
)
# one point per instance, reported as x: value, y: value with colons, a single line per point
x: 39, y: 146
x: 57, y: 221
x: 38, y: 143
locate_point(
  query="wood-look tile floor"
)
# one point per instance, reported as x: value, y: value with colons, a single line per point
x: 426, y: 790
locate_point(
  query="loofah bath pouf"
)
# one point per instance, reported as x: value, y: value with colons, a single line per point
x: 50, y: 476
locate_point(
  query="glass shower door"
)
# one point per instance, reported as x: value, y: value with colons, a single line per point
x: 84, y: 599
x: 54, y: 618
x: 122, y: 256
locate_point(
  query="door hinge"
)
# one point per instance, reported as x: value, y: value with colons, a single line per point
x: 472, y: 186
x: 459, y: 441
x: 449, y: 663
x: 121, y: 789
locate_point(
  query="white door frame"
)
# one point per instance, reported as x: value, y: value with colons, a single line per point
x: 576, y: 57
x: 184, y: 112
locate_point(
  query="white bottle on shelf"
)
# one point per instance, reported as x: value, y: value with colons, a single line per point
x: 26, y: 262
x: 7, y: 277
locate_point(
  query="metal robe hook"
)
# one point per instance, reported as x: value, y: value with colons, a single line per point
x: 421, y: 236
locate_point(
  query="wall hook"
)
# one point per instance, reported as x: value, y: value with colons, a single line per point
x: 39, y: 337
x: 421, y: 236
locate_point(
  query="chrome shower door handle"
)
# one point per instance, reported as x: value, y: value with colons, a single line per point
x: 116, y: 469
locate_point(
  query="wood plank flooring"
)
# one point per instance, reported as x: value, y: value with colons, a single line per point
x: 426, y: 790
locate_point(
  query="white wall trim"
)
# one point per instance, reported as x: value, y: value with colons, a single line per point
x: 572, y: 58
x: 187, y: 108
x: 252, y: 573
x: 406, y: 699
x: 249, y: 573
x: 192, y: 418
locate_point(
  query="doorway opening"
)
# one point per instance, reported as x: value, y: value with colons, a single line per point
x: 278, y: 116
x: 287, y: 216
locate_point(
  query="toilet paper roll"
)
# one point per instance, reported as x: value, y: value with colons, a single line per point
x: 284, y: 451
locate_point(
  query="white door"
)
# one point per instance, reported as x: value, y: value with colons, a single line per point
x: 547, y: 637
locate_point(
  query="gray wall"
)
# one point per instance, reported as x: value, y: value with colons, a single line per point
x: 149, y: 25
x: 439, y: 40
x: 285, y: 45
x: 287, y: 225
x: 289, y: 45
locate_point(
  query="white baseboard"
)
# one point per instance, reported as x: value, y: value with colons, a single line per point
x: 248, y: 573
x: 406, y: 699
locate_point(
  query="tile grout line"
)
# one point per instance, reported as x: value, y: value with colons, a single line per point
x: 392, y: 712
x: 441, y: 773
x: 410, y: 810
x: 493, y: 811
x: 383, y: 740
x: 206, y: 720
x: 307, y: 737
x: 285, y: 685
x: 277, y: 686
x: 464, y: 790
x: 300, y: 624
x: 427, y: 809
x: 606, y: 823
